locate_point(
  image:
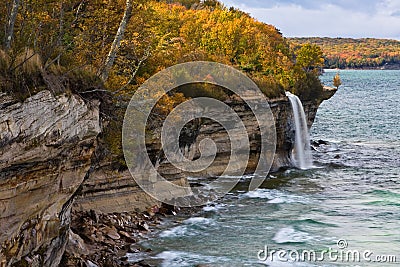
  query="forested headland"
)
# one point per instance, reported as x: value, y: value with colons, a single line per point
x: 367, y: 53
x: 82, y: 45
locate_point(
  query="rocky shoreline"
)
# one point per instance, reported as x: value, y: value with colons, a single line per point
x: 107, y: 239
x: 388, y: 66
x: 114, y: 239
x: 61, y: 199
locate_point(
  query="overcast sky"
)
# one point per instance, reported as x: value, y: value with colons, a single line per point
x: 331, y: 18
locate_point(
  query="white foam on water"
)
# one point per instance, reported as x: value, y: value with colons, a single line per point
x: 198, y: 220
x: 290, y: 235
x: 214, y: 207
x: 189, y: 227
x: 180, y: 230
x: 277, y: 196
x: 277, y: 200
x: 259, y: 193
x: 136, y: 257
x: 183, y: 259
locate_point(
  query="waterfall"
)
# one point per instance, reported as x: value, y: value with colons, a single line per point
x: 301, y: 154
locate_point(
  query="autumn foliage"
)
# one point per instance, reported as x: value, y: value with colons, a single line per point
x: 73, y: 37
x: 356, y: 53
x: 66, y: 46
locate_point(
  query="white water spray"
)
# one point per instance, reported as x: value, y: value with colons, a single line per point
x: 301, y: 154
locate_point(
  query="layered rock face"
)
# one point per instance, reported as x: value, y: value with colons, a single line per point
x: 46, y: 146
x: 107, y: 190
x: 47, y: 168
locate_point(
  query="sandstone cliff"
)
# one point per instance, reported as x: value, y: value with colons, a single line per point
x: 107, y: 190
x: 46, y: 145
x: 47, y: 168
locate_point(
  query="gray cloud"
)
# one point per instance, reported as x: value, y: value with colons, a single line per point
x: 396, y: 14
x: 333, y: 18
x: 369, y: 6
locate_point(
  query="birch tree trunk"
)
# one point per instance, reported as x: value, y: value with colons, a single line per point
x: 11, y: 24
x: 117, y: 41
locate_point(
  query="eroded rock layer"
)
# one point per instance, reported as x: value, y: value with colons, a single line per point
x: 45, y: 153
x: 48, y: 168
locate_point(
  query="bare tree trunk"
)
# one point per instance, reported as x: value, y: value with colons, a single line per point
x: 117, y: 41
x: 11, y: 23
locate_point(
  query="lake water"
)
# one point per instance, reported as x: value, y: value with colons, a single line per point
x: 347, y: 208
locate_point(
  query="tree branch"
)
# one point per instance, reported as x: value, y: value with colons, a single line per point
x: 11, y: 24
x: 117, y: 41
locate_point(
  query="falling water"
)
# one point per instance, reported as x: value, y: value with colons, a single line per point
x: 301, y: 154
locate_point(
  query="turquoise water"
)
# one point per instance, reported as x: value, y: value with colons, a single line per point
x: 353, y: 197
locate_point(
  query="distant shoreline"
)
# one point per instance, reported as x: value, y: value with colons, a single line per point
x: 348, y: 53
x: 387, y: 67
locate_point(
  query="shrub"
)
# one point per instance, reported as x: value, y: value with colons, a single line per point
x: 309, y: 88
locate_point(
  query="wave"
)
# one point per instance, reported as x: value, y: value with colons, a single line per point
x: 290, y: 235
x: 277, y: 196
x: 183, y: 259
x: 384, y: 193
x: 313, y: 222
x: 190, y: 227
x: 213, y: 207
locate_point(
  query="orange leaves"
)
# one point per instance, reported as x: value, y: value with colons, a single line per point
x: 160, y: 35
x: 167, y: 103
x: 356, y: 53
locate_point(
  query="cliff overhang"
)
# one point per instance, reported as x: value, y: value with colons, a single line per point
x: 48, y: 168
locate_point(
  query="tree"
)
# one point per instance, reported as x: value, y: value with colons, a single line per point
x: 11, y: 23
x: 310, y: 58
x: 117, y: 41
x: 357, y: 53
x: 337, y: 81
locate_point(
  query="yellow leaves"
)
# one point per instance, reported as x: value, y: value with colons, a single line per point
x: 43, y: 16
x: 310, y: 57
x: 346, y: 52
x: 167, y: 103
x: 337, y: 81
x: 140, y: 80
x: 115, y: 81
x: 173, y: 34
x: 124, y: 42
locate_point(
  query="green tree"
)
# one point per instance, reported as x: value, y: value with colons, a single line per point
x: 310, y: 58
